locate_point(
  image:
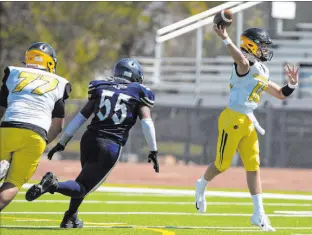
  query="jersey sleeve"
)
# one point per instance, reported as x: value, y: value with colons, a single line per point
x: 67, y: 91
x: 147, y: 97
x: 59, y: 107
x: 4, y: 92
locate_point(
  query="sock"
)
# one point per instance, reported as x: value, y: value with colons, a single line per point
x: 202, y: 184
x: 74, y: 205
x: 71, y: 188
x: 258, y: 205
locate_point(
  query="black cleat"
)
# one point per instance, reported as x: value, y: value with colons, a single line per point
x: 47, y: 184
x: 71, y: 221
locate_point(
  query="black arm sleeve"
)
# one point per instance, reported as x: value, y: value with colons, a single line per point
x: 59, y: 107
x: 4, y: 92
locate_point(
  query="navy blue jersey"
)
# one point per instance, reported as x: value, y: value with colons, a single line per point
x: 117, y: 107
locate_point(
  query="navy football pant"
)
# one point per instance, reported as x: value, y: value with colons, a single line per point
x: 98, y: 157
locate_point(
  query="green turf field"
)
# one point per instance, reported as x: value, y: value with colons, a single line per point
x: 136, y: 213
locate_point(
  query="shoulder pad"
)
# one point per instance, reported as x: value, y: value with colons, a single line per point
x: 93, y: 88
x: 147, y: 97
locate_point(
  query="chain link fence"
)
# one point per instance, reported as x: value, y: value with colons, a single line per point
x: 189, y: 135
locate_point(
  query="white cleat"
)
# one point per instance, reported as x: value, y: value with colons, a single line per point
x: 200, y: 201
x: 4, y: 167
x: 263, y: 222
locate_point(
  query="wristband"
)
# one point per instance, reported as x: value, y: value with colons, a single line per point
x: 287, y: 90
x: 227, y: 41
x: 292, y: 86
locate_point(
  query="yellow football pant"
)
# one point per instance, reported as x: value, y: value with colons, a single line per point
x: 236, y: 132
x: 22, y: 148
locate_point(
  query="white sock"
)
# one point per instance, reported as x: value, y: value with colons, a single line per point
x: 258, y: 205
x: 202, y: 184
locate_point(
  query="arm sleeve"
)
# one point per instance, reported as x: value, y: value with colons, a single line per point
x: 72, y: 127
x: 149, y: 133
x: 4, y: 92
x: 59, y: 107
x: 147, y: 97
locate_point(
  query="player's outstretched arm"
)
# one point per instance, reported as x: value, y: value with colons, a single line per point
x: 72, y: 127
x: 282, y: 92
x: 239, y: 58
x: 149, y: 134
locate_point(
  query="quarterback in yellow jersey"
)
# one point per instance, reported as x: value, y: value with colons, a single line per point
x: 32, y: 108
x: 237, y: 125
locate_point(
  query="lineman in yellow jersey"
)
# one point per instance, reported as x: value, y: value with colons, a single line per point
x: 32, y: 107
x: 237, y: 124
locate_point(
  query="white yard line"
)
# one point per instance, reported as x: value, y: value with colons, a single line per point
x: 57, y: 201
x: 40, y: 226
x: 181, y: 192
x: 225, y: 228
x: 91, y: 223
x: 167, y: 203
x: 209, y: 203
x: 154, y: 213
x: 294, y: 212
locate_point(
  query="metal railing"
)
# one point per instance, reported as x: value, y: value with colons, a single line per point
x: 179, y: 75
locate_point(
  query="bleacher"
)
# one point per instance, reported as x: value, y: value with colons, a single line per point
x: 178, y: 75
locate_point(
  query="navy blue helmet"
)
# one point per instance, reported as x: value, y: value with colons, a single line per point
x: 129, y: 69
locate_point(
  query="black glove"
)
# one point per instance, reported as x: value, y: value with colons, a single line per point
x: 55, y: 149
x: 153, y: 157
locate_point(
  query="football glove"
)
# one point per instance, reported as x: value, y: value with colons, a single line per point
x: 56, y: 148
x: 153, y: 157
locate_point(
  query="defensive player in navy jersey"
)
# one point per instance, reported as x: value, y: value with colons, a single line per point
x: 116, y: 103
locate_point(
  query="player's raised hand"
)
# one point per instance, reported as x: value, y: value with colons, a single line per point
x: 56, y: 148
x: 153, y: 157
x: 292, y: 74
x: 221, y: 32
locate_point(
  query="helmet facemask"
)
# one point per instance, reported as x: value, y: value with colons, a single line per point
x: 265, y: 54
x: 256, y: 43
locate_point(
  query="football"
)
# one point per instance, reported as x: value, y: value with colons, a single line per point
x: 223, y: 18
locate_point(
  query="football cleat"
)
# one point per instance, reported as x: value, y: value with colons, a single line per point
x: 4, y: 167
x: 48, y: 184
x: 263, y: 222
x: 200, y: 200
x: 71, y: 221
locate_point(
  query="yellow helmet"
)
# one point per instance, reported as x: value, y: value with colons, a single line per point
x: 255, y: 41
x: 41, y: 55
